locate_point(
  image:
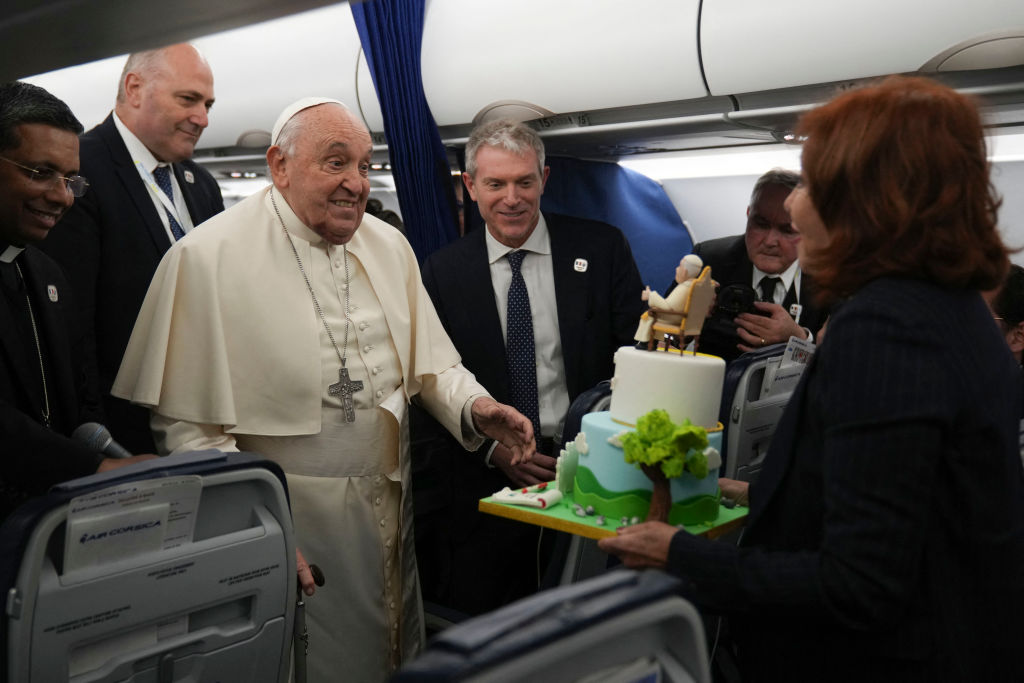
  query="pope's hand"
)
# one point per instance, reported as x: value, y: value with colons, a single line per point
x: 305, y: 575
x: 641, y: 545
x: 540, y: 468
x: 507, y: 426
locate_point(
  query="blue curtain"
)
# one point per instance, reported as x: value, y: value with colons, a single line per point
x: 632, y: 202
x: 391, y: 33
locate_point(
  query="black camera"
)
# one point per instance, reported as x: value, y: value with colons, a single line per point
x: 718, y: 336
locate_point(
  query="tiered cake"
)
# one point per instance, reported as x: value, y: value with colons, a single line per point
x: 687, y: 387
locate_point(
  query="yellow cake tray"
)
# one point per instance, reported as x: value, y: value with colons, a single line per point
x: 562, y: 517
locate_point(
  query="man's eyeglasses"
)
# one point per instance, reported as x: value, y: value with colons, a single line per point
x: 76, y: 184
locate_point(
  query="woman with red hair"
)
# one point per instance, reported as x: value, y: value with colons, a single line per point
x: 885, y: 539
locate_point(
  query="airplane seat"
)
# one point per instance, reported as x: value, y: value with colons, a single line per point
x: 748, y: 414
x: 594, y: 399
x: 624, y: 625
x: 174, y: 569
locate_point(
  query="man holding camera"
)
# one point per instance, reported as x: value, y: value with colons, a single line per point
x: 764, y: 258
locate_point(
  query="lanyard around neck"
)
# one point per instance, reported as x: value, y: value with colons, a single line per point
x: 160, y: 194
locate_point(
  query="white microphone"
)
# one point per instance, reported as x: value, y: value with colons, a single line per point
x: 98, y: 438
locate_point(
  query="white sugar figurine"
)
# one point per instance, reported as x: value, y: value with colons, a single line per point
x: 565, y: 466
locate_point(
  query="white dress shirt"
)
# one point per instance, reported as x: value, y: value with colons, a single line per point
x: 140, y: 154
x: 552, y: 391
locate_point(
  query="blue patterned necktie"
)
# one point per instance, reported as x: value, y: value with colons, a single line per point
x: 162, y: 174
x: 520, y: 359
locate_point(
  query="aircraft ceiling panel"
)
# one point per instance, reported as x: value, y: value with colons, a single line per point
x: 38, y: 36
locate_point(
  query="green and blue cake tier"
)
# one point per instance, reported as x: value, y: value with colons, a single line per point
x: 618, y: 489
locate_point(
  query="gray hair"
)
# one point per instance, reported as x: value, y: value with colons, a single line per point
x: 147, y: 64
x: 776, y: 176
x: 26, y: 103
x: 514, y: 136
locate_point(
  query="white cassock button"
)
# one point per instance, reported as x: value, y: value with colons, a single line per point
x: 363, y: 325
x: 375, y: 370
x: 392, y: 604
x: 368, y: 348
x: 377, y: 501
x: 380, y: 392
x: 382, y: 522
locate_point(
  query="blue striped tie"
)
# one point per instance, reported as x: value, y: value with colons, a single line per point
x: 520, y: 359
x: 163, y: 179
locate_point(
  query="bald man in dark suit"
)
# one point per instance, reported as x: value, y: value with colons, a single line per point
x: 111, y: 241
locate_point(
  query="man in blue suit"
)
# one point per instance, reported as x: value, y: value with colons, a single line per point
x: 145, y: 194
x: 583, y: 302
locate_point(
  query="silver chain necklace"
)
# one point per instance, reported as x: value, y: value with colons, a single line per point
x: 39, y: 348
x: 345, y: 386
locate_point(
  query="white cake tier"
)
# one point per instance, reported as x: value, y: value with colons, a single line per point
x: 687, y: 386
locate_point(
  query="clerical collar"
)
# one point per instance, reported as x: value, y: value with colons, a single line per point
x: 293, y: 224
x: 10, y: 253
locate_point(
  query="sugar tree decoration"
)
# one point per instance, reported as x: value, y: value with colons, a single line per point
x: 664, y: 450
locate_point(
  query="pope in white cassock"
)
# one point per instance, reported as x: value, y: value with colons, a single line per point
x: 293, y: 326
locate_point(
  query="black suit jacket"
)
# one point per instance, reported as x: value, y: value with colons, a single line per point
x: 109, y: 244
x: 886, y: 532
x: 598, y: 309
x: 730, y: 264
x: 33, y: 457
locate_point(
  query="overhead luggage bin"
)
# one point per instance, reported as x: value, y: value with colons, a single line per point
x: 753, y: 46
x: 566, y: 56
x: 175, y: 569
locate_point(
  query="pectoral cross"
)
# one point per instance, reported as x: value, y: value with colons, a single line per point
x: 346, y: 387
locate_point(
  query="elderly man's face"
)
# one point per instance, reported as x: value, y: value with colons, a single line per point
x: 771, y: 239
x: 30, y: 208
x: 507, y: 188
x: 326, y: 179
x: 170, y: 107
